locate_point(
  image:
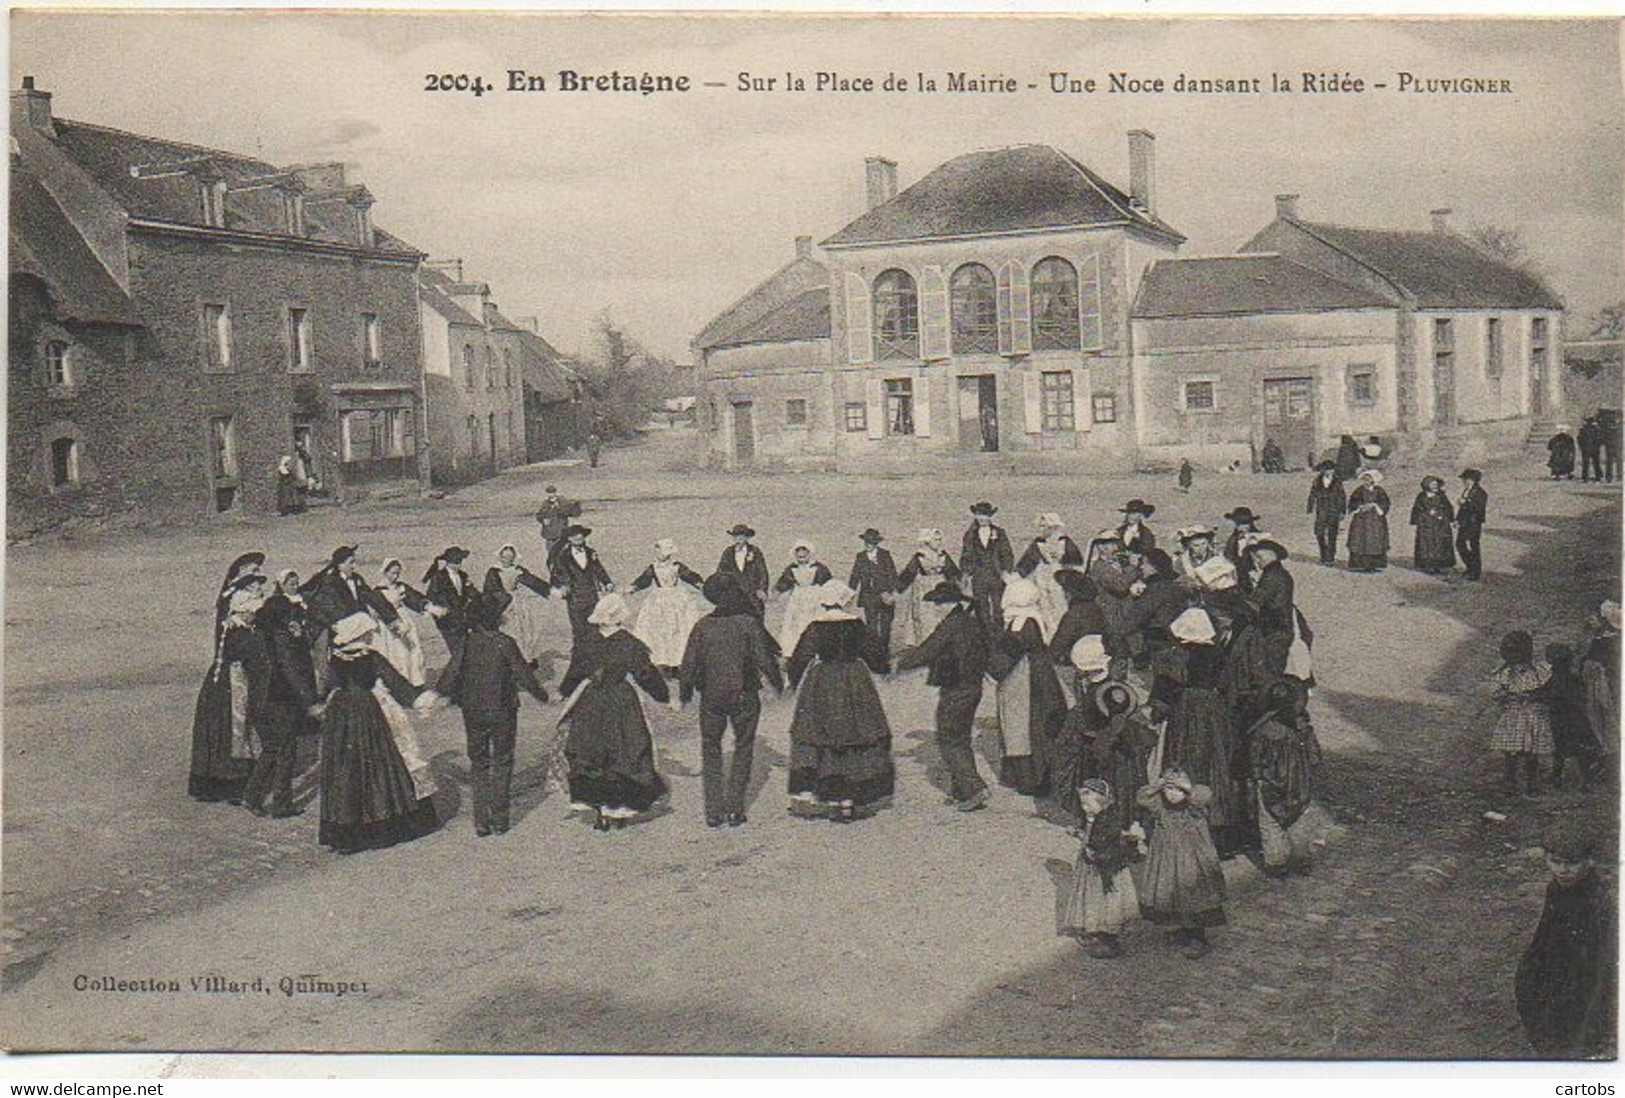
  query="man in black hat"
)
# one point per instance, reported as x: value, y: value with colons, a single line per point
x: 874, y: 578
x: 727, y: 657
x: 554, y: 515
x: 337, y: 591
x: 1470, y: 512
x: 1133, y: 532
x: 1243, y: 525
x: 745, y: 562
x: 578, y: 573
x: 1328, y: 502
x: 987, y: 557
x: 956, y: 652
x: 448, y: 587
x: 1590, y: 444
x: 484, y: 677
x: 1272, y: 595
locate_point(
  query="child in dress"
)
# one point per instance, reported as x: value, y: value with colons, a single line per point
x: 1182, y: 885
x: 1524, y: 731
x: 1103, y: 898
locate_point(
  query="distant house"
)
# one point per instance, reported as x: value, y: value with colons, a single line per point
x: 183, y: 316
x: 555, y: 415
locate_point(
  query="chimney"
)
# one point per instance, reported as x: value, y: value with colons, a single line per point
x: 804, y: 249
x: 30, y: 107
x: 1286, y: 207
x: 1441, y: 219
x: 531, y: 324
x: 1142, y: 169
x: 880, y: 175
x: 321, y: 178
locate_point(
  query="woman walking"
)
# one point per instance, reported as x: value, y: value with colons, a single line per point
x: 1368, y: 524
x: 840, y: 741
x: 1432, y: 515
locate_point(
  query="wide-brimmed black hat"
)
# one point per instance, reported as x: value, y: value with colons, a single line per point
x: 872, y: 536
x: 1139, y: 505
x: 1570, y: 842
x: 341, y: 554
x: 1117, y: 697
x: 741, y: 530
x: 575, y: 528
x: 947, y: 592
x: 1435, y: 479
x: 552, y: 488
x: 1471, y: 474
x: 454, y: 555
x: 1273, y: 546
x: 1326, y: 466
x: 1242, y: 514
x: 983, y: 508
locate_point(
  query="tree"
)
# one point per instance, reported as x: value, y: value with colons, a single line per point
x: 1505, y: 244
x: 627, y: 381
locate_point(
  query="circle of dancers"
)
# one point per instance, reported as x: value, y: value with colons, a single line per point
x: 1154, y: 703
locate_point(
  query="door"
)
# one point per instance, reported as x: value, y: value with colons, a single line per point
x: 744, y: 433
x: 1537, y: 386
x: 1444, y: 390
x: 491, y: 434
x: 979, y: 413
x: 989, y: 413
x: 1289, y: 419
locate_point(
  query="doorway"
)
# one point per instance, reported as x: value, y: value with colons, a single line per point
x: 1289, y: 418
x: 979, y: 413
x: 744, y: 433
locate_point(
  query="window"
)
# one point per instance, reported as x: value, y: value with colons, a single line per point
x: 1199, y: 396
x: 223, y: 447
x: 64, y: 463
x: 1538, y: 340
x: 217, y: 337
x: 795, y: 412
x: 58, y: 371
x: 468, y: 368
x: 1056, y: 389
x: 474, y: 437
x: 299, y: 355
x: 293, y: 213
x: 363, y: 226
x: 214, y: 203
x: 857, y: 416
x: 1055, y: 305
x: 900, y: 407
x: 513, y: 440
x: 1105, y: 407
x: 507, y: 368
x: 372, y: 339
x: 974, y: 309
x: 1362, y: 386
x: 1492, y: 347
x: 373, y: 434
x: 490, y: 369
x: 897, y: 316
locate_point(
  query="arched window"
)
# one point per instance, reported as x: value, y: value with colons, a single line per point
x: 974, y: 304
x: 490, y: 369
x: 64, y: 463
x: 468, y: 367
x: 897, y: 316
x: 58, y: 371
x: 1055, y: 305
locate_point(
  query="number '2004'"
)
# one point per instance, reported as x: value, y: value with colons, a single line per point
x: 463, y: 82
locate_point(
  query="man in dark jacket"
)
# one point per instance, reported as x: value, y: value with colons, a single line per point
x: 956, y: 653
x: 484, y: 677
x: 576, y: 569
x: 292, y: 704
x: 554, y: 515
x: 1470, y: 511
x: 986, y: 556
x: 1272, y: 597
x: 1328, y: 502
x: 745, y: 562
x: 337, y: 591
x: 874, y: 578
x: 1590, y: 444
x: 727, y: 657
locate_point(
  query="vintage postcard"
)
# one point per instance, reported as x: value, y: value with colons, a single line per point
x: 813, y: 535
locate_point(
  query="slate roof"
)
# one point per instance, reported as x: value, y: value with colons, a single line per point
x: 804, y: 316
x: 544, y: 371
x: 45, y: 244
x: 1023, y: 187
x: 107, y: 155
x: 1257, y: 283
x: 436, y: 288
x: 800, y: 274
x: 1441, y: 270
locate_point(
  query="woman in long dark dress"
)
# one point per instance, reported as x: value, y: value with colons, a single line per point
x: 840, y: 741
x: 607, y: 745
x: 249, y: 564
x: 1031, y: 702
x: 1560, y: 453
x: 1201, y: 736
x: 1368, y: 524
x: 1348, y: 457
x: 369, y: 798
x: 231, y: 702
x: 1432, y: 515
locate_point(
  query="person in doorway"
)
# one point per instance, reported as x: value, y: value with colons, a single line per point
x: 1470, y: 513
x: 874, y: 578
x: 1328, y: 503
x: 1272, y: 460
x: 287, y: 489
x: 1348, y: 457
x: 1433, y: 516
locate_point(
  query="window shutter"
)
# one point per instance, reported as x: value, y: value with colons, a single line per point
x: 1083, y: 400
x: 1091, y: 326
x: 933, y: 314
x: 860, y: 342
x: 1033, y: 402
x: 877, y: 408
x: 1006, y: 308
x: 922, y: 406
x: 1021, y: 311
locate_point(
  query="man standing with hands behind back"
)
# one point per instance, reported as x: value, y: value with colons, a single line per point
x: 555, y: 515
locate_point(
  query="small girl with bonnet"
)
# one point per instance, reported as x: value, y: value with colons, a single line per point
x: 1103, y: 897
x: 1182, y: 883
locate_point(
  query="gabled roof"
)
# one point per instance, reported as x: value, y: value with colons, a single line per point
x: 1021, y: 188
x: 1256, y: 283
x: 45, y: 244
x: 1439, y: 269
x: 784, y: 285
x: 543, y: 368
x: 109, y: 156
x: 434, y: 287
x: 805, y: 316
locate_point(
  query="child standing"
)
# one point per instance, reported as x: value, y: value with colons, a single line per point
x: 1103, y: 897
x: 1182, y: 885
x: 1566, y: 980
x: 1572, y: 737
x: 1524, y: 730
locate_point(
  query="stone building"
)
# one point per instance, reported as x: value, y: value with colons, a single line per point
x: 189, y: 315
x: 555, y: 413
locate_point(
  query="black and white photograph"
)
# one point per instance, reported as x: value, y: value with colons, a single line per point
x: 809, y: 535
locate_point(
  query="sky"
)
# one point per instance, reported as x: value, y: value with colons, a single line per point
x: 664, y: 209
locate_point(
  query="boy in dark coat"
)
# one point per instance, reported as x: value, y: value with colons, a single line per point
x: 1470, y: 511
x: 291, y: 705
x: 484, y: 677
x: 1565, y: 986
x: 745, y: 562
x: 956, y: 653
x: 986, y: 556
x: 728, y: 656
x: 1328, y: 502
x: 874, y: 578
